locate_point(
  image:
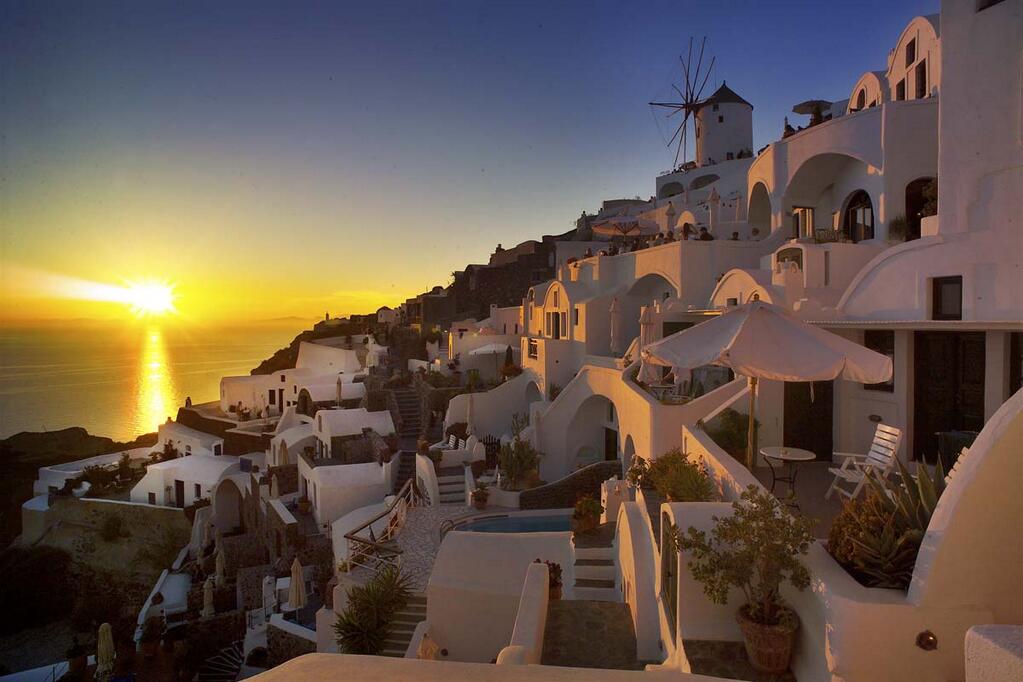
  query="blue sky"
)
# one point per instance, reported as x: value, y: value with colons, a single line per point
x: 403, y: 140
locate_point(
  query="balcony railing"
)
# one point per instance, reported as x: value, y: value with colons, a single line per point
x: 374, y: 553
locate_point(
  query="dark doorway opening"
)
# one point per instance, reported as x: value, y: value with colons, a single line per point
x: 610, y: 444
x: 859, y: 217
x: 948, y: 387
x: 809, y: 424
x: 915, y: 202
x: 179, y: 494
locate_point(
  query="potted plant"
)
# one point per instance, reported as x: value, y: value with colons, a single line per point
x: 756, y: 549
x: 77, y: 661
x: 553, y: 577
x: 151, y: 631
x: 586, y: 516
x: 480, y: 496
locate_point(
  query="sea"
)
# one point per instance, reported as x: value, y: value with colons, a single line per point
x: 122, y: 379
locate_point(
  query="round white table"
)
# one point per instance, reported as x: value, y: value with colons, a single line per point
x: 790, y: 458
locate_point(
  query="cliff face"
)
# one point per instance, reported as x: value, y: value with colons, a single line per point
x: 23, y: 453
x: 285, y: 358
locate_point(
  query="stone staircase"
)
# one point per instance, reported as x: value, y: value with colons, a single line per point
x: 451, y: 484
x: 404, y: 625
x: 595, y: 574
x: 406, y: 469
x: 224, y: 666
x: 410, y: 409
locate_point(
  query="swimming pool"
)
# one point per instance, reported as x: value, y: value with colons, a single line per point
x: 519, y: 524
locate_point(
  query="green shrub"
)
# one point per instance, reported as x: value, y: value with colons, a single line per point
x: 677, y: 479
x: 587, y: 507
x: 897, y: 228
x: 877, y: 537
x: 367, y: 620
x: 730, y: 430
x: 756, y: 549
x: 519, y: 462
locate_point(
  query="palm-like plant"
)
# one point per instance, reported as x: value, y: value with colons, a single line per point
x: 366, y: 622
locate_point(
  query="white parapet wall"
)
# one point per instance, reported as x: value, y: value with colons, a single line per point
x: 994, y: 653
x: 526, y: 643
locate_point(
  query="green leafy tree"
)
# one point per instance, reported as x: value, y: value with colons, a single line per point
x: 756, y: 549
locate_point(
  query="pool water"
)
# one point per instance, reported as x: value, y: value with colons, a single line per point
x: 520, y: 524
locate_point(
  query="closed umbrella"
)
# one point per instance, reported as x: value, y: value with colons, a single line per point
x: 282, y: 455
x: 762, y: 341
x: 648, y: 373
x: 207, y: 598
x: 616, y: 327
x: 275, y: 488
x: 220, y: 569
x: 296, y: 591
x: 105, y: 652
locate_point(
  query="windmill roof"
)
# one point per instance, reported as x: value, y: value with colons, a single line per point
x: 725, y: 95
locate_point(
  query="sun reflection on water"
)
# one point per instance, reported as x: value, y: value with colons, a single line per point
x: 155, y: 384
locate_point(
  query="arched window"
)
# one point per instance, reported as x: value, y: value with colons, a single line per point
x: 859, y: 217
x: 861, y: 99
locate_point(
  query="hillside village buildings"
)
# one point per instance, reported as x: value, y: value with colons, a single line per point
x: 893, y: 221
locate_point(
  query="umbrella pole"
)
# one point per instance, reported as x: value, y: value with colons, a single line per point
x: 751, y: 438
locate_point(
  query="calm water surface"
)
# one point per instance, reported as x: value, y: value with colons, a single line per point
x: 121, y: 380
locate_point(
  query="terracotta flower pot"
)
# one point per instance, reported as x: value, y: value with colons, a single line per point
x: 479, y: 502
x: 769, y: 647
x: 555, y: 592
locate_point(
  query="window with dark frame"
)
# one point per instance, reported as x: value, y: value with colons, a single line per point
x: 198, y: 491
x: 911, y: 52
x: 947, y: 298
x: 152, y: 498
x: 920, y: 78
x: 900, y: 90
x: 881, y: 341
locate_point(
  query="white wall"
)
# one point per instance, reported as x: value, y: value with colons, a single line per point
x: 476, y: 584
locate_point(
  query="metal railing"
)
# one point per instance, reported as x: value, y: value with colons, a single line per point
x: 376, y: 553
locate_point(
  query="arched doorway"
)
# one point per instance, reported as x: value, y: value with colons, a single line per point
x: 918, y: 196
x: 533, y: 395
x: 592, y: 434
x: 760, y: 209
x: 858, y: 223
x: 628, y: 453
x: 305, y: 404
x: 227, y: 507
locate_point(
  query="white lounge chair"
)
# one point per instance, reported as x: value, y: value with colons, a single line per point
x: 880, y: 461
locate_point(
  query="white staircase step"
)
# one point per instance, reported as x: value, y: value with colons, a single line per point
x: 596, y: 593
x: 594, y: 553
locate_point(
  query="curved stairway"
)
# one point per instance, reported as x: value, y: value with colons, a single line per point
x: 404, y: 626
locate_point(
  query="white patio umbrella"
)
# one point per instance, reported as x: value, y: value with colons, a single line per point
x: 497, y: 350
x: 616, y: 327
x: 762, y: 341
x: 207, y: 598
x: 105, y: 652
x: 296, y: 591
x: 282, y: 455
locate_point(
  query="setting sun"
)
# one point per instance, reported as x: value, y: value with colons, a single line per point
x: 150, y: 298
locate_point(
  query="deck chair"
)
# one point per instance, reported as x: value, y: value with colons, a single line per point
x: 880, y: 461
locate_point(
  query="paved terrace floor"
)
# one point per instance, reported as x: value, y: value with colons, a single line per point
x: 812, y: 482
x: 590, y: 634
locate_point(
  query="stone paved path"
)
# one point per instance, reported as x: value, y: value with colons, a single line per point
x: 590, y: 634
x: 727, y: 660
x: 419, y: 541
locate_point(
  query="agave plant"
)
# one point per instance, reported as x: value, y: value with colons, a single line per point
x: 366, y: 622
x: 878, y: 536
